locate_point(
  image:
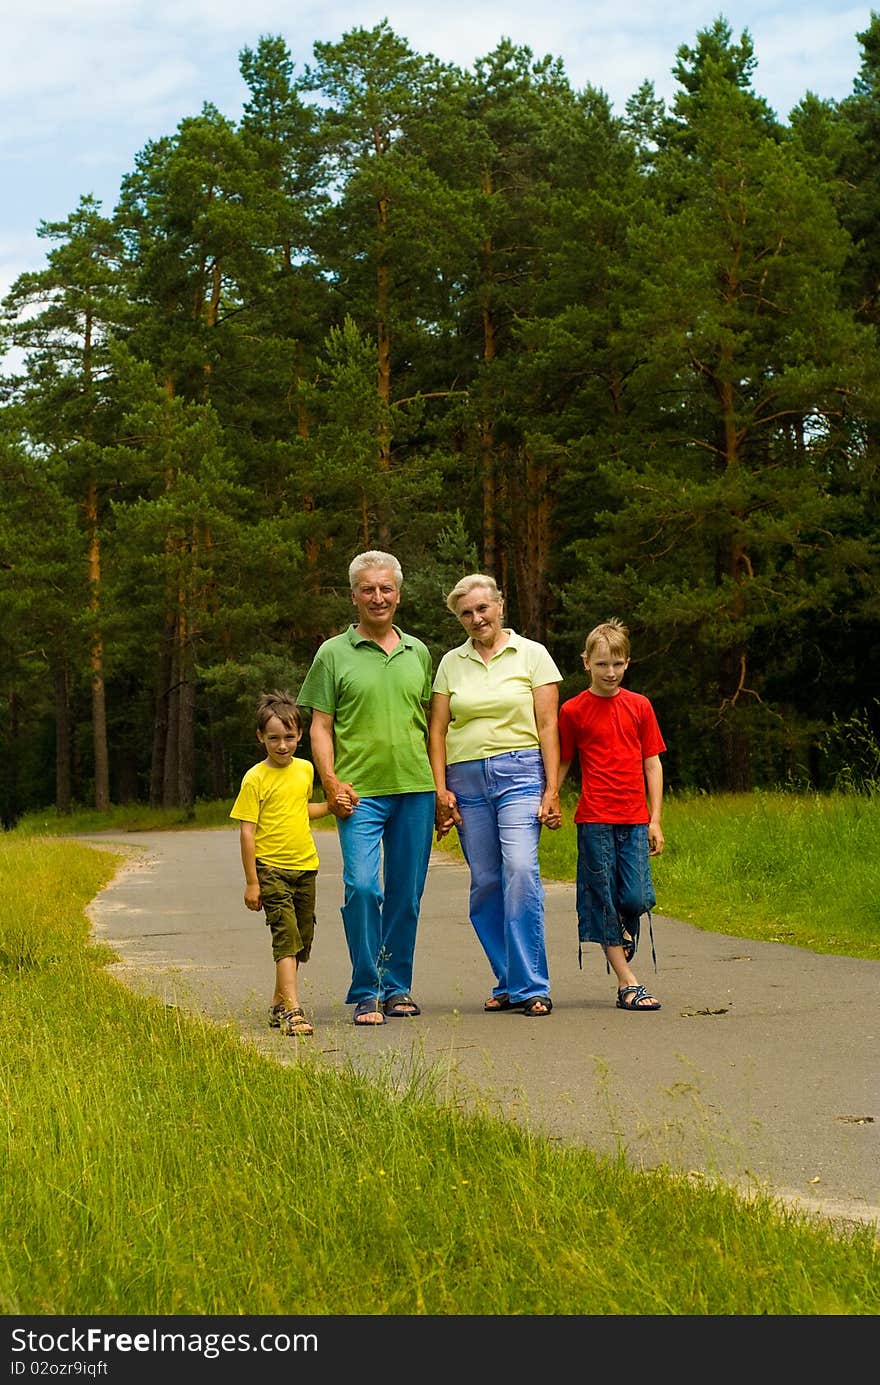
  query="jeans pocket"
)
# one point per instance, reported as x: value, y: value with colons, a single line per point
x: 520, y: 771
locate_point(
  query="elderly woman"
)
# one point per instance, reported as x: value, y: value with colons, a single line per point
x: 494, y: 750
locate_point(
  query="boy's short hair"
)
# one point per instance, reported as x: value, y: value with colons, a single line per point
x: 367, y: 562
x: 281, y: 705
x: 612, y: 632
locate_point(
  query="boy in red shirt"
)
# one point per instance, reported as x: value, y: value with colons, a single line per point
x: 618, y: 742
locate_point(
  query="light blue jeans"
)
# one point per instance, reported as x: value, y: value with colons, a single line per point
x: 386, y: 846
x: 498, y: 799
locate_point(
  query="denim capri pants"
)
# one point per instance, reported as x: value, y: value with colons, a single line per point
x: 614, y: 885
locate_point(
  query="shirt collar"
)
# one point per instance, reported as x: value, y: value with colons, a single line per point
x: 356, y: 639
x: 467, y: 651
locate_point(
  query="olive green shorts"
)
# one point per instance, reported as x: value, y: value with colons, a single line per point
x: 289, y: 906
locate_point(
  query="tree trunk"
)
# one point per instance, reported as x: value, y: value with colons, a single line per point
x: 487, y: 432
x: 96, y: 655
x: 383, y: 359
x: 170, y: 776
x: 9, y: 800
x: 63, y: 796
x: 531, y: 548
x: 218, y: 760
x: 160, y: 716
x: 186, y: 735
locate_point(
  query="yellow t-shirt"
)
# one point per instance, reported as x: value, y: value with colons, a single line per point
x: 491, y: 707
x: 277, y: 800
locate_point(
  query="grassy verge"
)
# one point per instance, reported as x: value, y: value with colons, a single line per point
x: 154, y: 1164
x: 784, y: 868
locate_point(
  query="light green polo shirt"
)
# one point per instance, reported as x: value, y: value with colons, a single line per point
x: 378, y: 703
x: 491, y: 707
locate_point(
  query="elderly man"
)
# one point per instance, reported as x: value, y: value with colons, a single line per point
x: 368, y: 691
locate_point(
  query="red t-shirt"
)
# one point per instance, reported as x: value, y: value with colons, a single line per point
x: 613, y: 736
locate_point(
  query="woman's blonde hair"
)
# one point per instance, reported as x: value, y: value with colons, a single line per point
x: 465, y: 585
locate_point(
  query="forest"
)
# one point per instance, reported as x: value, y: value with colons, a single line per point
x: 627, y: 364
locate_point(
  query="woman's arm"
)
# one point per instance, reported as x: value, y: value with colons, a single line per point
x: 546, y: 700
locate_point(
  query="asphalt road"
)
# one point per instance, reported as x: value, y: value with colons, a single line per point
x: 761, y: 1068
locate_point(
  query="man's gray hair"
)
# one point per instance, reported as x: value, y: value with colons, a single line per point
x: 373, y: 558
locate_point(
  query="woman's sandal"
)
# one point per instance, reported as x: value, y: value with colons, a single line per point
x: 496, y: 1003
x: 537, y: 1007
x: 638, y: 995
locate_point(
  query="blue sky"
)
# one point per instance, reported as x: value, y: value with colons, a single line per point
x: 84, y: 84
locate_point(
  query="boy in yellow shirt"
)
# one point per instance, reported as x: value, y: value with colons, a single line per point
x: 278, y: 851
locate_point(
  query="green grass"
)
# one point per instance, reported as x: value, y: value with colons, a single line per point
x: 778, y: 867
x: 154, y: 1164
x: 124, y: 817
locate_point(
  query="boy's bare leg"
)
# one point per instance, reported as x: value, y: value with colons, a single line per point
x: 293, y: 1020
x: 624, y: 972
x: 286, y: 991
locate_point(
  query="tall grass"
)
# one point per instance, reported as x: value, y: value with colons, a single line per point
x: 153, y: 1163
x: 802, y: 869
x: 124, y: 817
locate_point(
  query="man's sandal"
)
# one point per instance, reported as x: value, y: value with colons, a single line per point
x: 400, y: 1006
x: 368, y: 1013
x: 639, y: 999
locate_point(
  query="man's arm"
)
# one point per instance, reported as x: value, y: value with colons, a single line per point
x: 342, y: 798
x: 447, y: 813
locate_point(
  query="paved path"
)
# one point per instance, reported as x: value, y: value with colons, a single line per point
x: 761, y: 1068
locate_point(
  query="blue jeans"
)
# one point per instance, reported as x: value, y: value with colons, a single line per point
x: 498, y: 799
x: 614, y: 885
x: 386, y: 846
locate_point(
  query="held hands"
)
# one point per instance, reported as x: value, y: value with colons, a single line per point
x: 446, y: 814
x: 342, y: 799
x: 550, y: 811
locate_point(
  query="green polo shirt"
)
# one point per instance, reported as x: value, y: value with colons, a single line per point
x: 491, y: 707
x: 378, y: 703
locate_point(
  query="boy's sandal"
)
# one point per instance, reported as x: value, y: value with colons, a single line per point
x: 537, y: 1007
x: 294, y: 1022
x: 639, y: 999
x: 367, y: 1013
